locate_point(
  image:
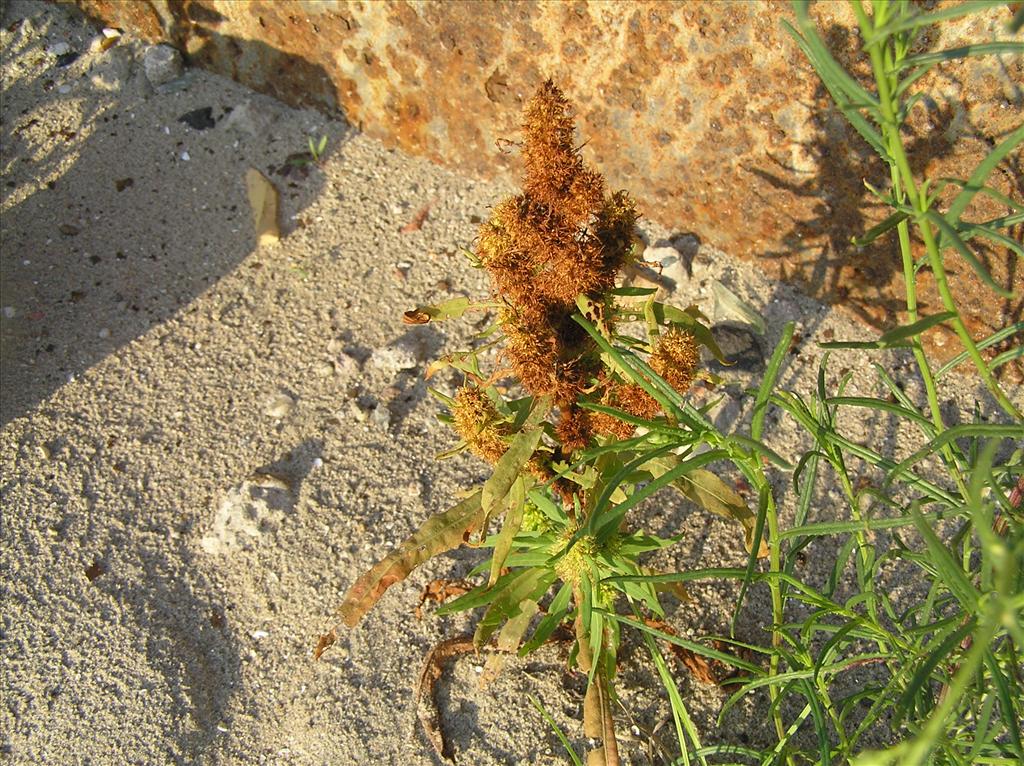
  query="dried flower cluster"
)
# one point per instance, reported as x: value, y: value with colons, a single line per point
x: 562, y: 237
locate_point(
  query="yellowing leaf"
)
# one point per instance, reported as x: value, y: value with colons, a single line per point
x: 263, y: 200
x: 438, y: 534
x: 713, y: 495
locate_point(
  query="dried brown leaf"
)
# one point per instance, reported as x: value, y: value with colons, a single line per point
x: 440, y: 533
x: 263, y: 200
x: 417, y: 220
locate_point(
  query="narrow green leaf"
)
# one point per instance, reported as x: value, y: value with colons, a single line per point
x: 509, y: 530
x: 981, y: 173
x: 897, y: 334
x: 951, y: 573
x: 875, y: 232
x: 558, y: 610
x: 916, y: 19
x: 558, y: 732
x: 964, y: 51
x: 527, y: 585
x: 953, y: 237
x: 771, y: 375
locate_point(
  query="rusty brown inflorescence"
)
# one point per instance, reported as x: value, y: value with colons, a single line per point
x: 561, y: 238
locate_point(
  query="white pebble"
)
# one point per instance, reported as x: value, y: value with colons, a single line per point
x: 259, y: 634
x: 9, y: 312
x: 185, y: 156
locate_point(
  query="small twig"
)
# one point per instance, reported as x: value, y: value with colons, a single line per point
x: 427, y: 708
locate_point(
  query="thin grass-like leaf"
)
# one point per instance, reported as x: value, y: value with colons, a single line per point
x: 951, y: 236
x: 878, y: 230
x: 964, y: 51
x: 991, y: 340
x: 981, y: 173
x: 771, y: 374
x: 558, y: 731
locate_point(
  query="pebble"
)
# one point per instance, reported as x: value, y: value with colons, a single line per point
x: 9, y: 312
x: 673, y: 270
x: 162, y: 63
x: 185, y: 156
x: 279, y: 405
x: 64, y: 89
x: 246, y: 118
x: 59, y: 49
x: 259, y: 634
x: 104, y: 333
x: 380, y: 416
x: 393, y: 359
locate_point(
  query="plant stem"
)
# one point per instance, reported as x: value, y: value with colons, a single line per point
x: 904, y: 186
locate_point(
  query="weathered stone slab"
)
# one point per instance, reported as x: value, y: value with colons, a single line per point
x: 705, y: 111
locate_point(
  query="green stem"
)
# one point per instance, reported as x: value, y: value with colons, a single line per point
x: 904, y: 186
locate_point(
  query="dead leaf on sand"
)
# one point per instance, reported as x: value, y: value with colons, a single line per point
x: 263, y: 199
x: 438, y: 591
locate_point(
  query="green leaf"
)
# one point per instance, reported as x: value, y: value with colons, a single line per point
x: 771, y: 374
x: 982, y: 172
x: 509, y: 530
x: 440, y: 533
x: 705, y: 489
x: 951, y: 236
x: 558, y: 732
x: 965, y: 51
x: 527, y: 585
x: 727, y: 302
x: 558, y: 611
x: 952, y: 574
x: 632, y: 292
x: 916, y: 19
x: 875, y: 232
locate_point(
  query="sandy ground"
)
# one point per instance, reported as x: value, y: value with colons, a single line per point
x: 204, y: 442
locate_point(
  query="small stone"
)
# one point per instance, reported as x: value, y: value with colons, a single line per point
x: 104, y: 333
x: 279, y: 405
x: 64, y: 89
x: 9, y: 312
x: 324, y: 369
x: 393, y: 359
x: 246, y: 118
x: 59, y: 49
x: 380, y: 416
x: 162, y: 63
x: 185, y: 156
x: 258, y: 635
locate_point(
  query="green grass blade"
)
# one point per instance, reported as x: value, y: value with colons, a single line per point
x: 981, y: 173
x: 558, y: 731
x: 964, y: 51
x: 771, y: 375
x: 951, y: 236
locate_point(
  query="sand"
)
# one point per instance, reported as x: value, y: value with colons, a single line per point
x: 203, y: 442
